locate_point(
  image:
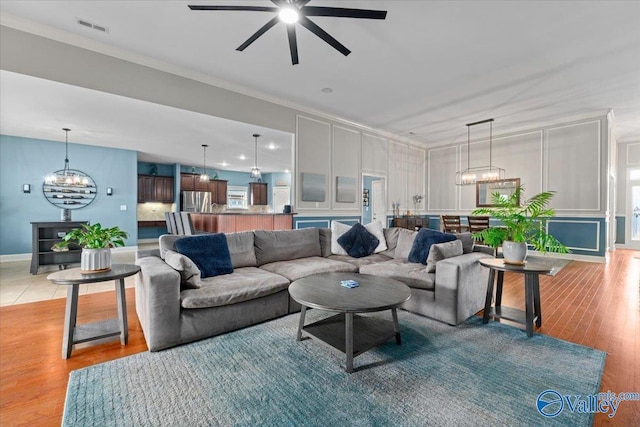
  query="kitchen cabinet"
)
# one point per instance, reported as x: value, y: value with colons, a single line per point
x: 258, y: 193
x: 218, y: 189
x: 158, y: 189
x: 46, y: 234
x: 191, y: 182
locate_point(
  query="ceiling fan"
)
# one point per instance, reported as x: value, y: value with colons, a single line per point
x: 292, y: 11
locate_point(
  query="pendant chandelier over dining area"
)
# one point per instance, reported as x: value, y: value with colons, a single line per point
x: 470, y: 176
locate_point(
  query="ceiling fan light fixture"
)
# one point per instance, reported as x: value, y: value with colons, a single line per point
x: 289, y: 14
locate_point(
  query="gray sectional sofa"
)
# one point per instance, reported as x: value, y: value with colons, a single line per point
x: 266, y: 262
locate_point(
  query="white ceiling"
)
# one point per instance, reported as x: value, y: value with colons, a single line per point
x: 422, y: 73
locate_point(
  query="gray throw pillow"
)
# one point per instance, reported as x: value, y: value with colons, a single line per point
x: 189, y: 271
x: 467, y: 241
x: 441, y: 251
x: 405, y: 243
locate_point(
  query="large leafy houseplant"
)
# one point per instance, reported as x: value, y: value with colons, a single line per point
x: 96, y: 243
x: 521, y: 223
x: 94, y: 237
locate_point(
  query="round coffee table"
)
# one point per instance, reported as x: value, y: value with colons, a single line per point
x: 324, y: 292
x: 76, y: 334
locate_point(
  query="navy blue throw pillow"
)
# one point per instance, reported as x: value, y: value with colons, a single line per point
x: 209, y: 252
x: 358, y: 241
x: 424, y: 239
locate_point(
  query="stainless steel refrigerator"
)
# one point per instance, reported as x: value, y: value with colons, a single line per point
x: 196, y: 201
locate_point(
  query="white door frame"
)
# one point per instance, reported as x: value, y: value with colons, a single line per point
x: 283, y: 190
x: 628, y: 243
x: 383, y: 213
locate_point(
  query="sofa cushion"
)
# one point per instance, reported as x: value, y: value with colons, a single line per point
x: 377, y: 230
x: 285, y: 245
x: 359, y: 262
x: 423, y: 241
x: 411, y: 274
x: 296, y: 269
x: 358, y: 242
x: 405, y: 242
x: 189, y: 271
x: 243, y: 284
x: 325, y: 241
x: 467, y: 241
x: 440, y: 251
x: 391, y: 239
x: 337, y: 230
x: 241, y: 249
x: 209, y: 252
x: 167, y: 242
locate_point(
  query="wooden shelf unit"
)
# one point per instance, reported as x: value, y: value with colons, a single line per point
x: 45, y: 234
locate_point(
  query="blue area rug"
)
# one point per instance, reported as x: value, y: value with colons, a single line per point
x: 473, y: 374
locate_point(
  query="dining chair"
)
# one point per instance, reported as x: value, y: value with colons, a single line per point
x: 187, y: 224
x: 179, y: 226
x: 478, y: 223
x: 452, y: 224
x: 171, y: 222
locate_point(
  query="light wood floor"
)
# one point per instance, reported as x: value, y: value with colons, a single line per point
x: 596, y: 305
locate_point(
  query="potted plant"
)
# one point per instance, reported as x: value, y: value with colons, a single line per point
x: 96, y: 243
x: 522, y: 225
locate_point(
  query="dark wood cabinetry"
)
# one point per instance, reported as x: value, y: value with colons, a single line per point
x: 191, y: 182
x: 44, y: 236
x: 217, y: 187
x: 411, y: 222
x: 157, y: 189
x: 258, y: 193
x: 218, y: 190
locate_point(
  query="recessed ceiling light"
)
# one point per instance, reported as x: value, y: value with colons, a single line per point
x: 224, y: 164
x: 242, y: 157
x: 272, y: 146
x: 327, y: 90
x: 287, y: 171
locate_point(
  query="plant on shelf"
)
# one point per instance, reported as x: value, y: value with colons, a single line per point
x: 96, y: 243
x: 522, y: 225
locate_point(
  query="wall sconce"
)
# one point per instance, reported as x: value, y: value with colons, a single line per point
x: 109, y: 191
x: 26, y: 188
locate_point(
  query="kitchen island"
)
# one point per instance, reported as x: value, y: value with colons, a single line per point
x: 230, y: 222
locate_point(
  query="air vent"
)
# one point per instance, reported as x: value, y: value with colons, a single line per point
x: 96, y: 27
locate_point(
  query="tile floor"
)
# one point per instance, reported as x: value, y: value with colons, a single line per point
x: 18, y: 286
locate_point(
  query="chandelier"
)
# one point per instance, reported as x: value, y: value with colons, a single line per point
x: 255, y: 171
x: 471, y: 175
x: 66, y: 176
x: 204, y: 176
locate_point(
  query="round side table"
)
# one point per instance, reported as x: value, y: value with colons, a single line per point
x: 76, y: 334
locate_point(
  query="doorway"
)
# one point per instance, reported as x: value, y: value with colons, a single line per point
x: 632, y: 233
x: 374, y: 206
x: 281, y: 197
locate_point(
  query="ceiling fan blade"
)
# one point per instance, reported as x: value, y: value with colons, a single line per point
x: 258, y: 33
x: 342, y: 12
x: 301, y: 3
x: 250, y: 8
x: 309, y: 25
x: 293, y: 43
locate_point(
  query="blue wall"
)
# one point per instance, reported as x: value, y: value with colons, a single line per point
x: 28, y: 161
x: 144, y: 168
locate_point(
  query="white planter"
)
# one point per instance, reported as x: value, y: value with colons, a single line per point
x: 95, y: 259
x: 514, y: 252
